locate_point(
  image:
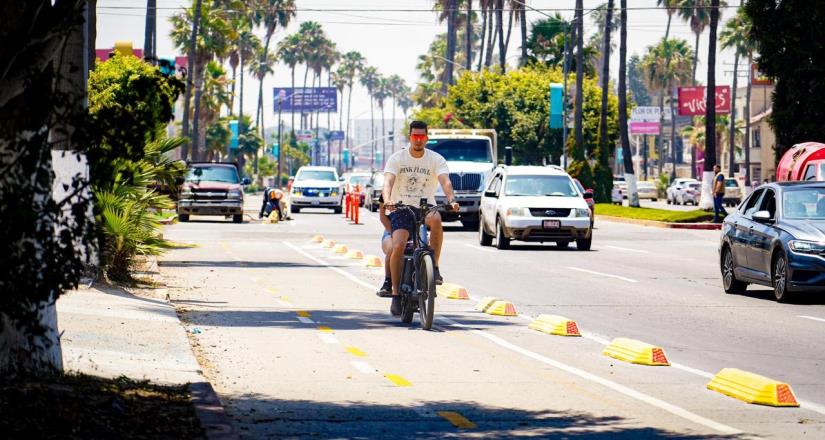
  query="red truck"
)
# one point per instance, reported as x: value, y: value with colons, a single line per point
x: 212, y: 189
x: 803, y: 162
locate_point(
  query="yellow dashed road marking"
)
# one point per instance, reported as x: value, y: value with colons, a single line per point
x: 325, y: 329
x: 272, y: 291
x: 457, y: 420
x: 398, y: 380
x: 355, y: 351
x: 302, y: 313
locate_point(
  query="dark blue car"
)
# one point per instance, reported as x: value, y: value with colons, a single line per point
x: 776, y: 238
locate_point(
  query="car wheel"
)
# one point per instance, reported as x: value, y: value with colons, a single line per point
x: 484, y: 239
x: 237, y: 218
x: 183, y: 218
x: 337, y: 210
x: 373, y: 207
x: 584, y: 244
x: 780, y: 278
x: 294, y: 209
x: 669, y: 200
x: 562, y: 244
x: 655, y: 200
x: 470, y: 225
x: 502, y: 241
x: 729, y: 281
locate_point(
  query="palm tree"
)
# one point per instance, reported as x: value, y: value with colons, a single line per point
x: 289, y: 53
x: 261, y: 66
x: 630, y: 177
x: 190, y: 48
x: 405, y: 101
x: 666, y: 65
x: 353, y: 62
x: 382, y: 92
x: 339, y: 80
x: 248, y: 46
x: 697, y: 13
x: 710, y: 144
x: 468, y: 51
x: 522, y: 20
x: 486, y: 25
x: 604, y: 148
x: 579, y: 79
x: 502, y: 49
x: 671, y: 7
x: 150, y: 31
x: 547, y: 40
x: 737, y: 35
x: 271, y: 14
x: 369, y: 79
x: 396, y: 87
x: 311, y: 35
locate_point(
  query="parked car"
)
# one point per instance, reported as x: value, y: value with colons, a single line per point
x: 316, y: 187
x: 212, y: 188
x: 733, y: 193
x: 678, y: 184
x: 690, y: 192
x: 359, y: 180
x: 776, y: 238
x: 647, y: 190
x: 534, y: 204
x: 621, y: 186
x: 373, y: 191
x: 589, y: 196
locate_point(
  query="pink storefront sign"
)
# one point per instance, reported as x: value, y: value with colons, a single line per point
x: 644, y: 128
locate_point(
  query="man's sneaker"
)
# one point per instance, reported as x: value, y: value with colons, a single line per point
x: 395, y: 307
x: 386, y: 289
x: 438, y: 279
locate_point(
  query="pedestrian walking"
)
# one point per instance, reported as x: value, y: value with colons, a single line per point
x: 718, y: 194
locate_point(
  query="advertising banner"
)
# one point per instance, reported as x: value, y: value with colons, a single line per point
x: 309, y: 99
x: 692, y: 100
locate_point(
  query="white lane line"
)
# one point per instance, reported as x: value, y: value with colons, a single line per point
x: 626, y: 249
x: 811, y: 317
x: 328, y: 338
x: 363, y: 367
x: 305, y: 320
x: 629, y: 392
x: 478, y: 248
x: 351, y: 277
x: 629, y: 280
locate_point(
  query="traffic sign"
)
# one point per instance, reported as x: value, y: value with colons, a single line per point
x: 336, y: 135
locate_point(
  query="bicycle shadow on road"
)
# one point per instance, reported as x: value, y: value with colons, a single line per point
x: 238, y: 264
x: 265, y: 417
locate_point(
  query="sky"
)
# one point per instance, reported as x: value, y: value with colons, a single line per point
x: 392, y: 33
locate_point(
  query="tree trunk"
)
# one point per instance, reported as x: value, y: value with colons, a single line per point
x: 196, y: 135
x: 500, y: 31
x: 349, y: 122
x: 468, y: 58
x: 747, y: 140
x: 483, y: 38
x: 372, y: 127
x: 523, y: 13
x: 292, y: 113
x: 732, y: 132
x: 509, y: 33
x: 232, y: 92
x: 187, y: 96
x: 394, y: 132
x: 706, y: 201
x: 695, y: 58
x: 660, y: 141
x: 261, y: 88
x: 602, y: 177
x: 488, y: 59
x: 303, y: 116
x: 383, y: 137
x: 149, y: 30
x: 577, y: 122
x: 667, y: 29
x: 673, y: 129
x: 630, y: 177
x: 452, y: 14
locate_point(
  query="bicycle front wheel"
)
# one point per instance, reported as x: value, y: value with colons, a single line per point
x: 426, y: 291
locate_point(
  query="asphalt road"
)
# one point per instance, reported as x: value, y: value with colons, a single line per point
x: 297, y: 344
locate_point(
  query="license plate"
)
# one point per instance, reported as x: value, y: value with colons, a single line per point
x: 316, y: 202
x: 551, y: 224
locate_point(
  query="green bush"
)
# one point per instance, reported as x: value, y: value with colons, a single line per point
x: 661, y: 215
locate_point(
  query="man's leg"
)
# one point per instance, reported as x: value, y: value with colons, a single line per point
x: 433, y: 222
x: 386, y: 246
x: 399, y: 243
x: 717, y: 207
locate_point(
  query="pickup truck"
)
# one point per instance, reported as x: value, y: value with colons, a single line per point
x: 212, y: 188
x: 471, y: 156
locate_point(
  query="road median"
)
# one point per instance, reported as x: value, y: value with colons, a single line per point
x: 660, y: 218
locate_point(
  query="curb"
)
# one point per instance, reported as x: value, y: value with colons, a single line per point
x: 657, y: 224
x: 210, y: 412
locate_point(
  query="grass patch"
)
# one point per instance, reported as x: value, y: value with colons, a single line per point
x: 660, y: 215
x: 180, y: 245
x: 79, y: 406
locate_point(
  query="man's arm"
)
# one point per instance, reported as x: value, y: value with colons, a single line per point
x: 447, y: 186
x: 382, y: 216
x: 389, y: 181
x: 263, y: 205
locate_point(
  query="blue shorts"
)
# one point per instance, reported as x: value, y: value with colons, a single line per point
x: 385, y: 236
x: 402, y: 219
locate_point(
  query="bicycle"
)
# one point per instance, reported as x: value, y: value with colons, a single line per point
x: 418, y: 270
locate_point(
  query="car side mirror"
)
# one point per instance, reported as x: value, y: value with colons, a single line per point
x: 245, y: 181
x: 588, y: 194
x: 179, y: 180
x: 762, y: 217
x: 490, y: 194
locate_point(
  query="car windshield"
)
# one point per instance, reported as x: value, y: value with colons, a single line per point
x: 695, y: 185
x: 359, y: 180
x: 226, y: 174
x: 467, y: 150
x: 804, y: 203
x: 316, y: 175
x: 540, y: 186
x: 730, y: 183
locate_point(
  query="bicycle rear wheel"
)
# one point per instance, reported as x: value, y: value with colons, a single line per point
x: 426, y: 291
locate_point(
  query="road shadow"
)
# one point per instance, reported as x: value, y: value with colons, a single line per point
x: 797, y: 298
x: 246, y: 264
x: 546, y: 248
x: 264, y: 417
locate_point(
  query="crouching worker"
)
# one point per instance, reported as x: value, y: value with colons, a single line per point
x: 386, y: 246
x: 273, y: 198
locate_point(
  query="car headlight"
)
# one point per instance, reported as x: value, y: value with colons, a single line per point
x: 234, y: 194
x: 333, y: 192
x: 581, y: 212
x: 296, y: 191
x: 806, y: 247
x: 517, y: 212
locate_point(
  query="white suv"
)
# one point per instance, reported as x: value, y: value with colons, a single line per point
x: 316, y: 187
x: 537, y: 204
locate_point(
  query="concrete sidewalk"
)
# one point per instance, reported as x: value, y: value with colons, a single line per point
x: 110, y: 332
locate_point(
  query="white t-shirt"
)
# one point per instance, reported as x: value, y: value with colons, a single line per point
x: 415, y: 179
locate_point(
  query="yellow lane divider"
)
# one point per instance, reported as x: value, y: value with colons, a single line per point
x: 355, y: 255
x: 328, y: 244
x: 340, y: 249
x: 373, y: 261
x: 501, y: 308
x: 355, y: 351
x: 325, y: 329
x: 452, y: 291
x: 317, y: 239
x: 485, y: 303
x: 457, y: 420
x: 303, y: 314
x: 398, y: 380
x: 637, y: 352
x: 555, y: 325
x: 752, y: 388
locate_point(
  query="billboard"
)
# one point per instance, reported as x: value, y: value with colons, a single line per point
x: 305, y: 99
x: 643, y: 127
x: 648, y: 114
x: 336, y: 135
x: 692, y: 100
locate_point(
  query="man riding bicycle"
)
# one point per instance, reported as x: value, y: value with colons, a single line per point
x: 413, y: 174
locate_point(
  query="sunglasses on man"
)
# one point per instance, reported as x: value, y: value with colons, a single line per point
x: 418, y: 137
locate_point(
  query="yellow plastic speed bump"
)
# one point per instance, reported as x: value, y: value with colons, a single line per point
x: 317, y: 239
x: 373, y: 261
x: 485, y: 303
x: 501, y: 308
x: 555, y: 325
x: 328, y: 244
x: 637, y: 352
x: 452, y: 291
x: 340, y: 249
x: 355, y: 255
x: 752, y: 388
